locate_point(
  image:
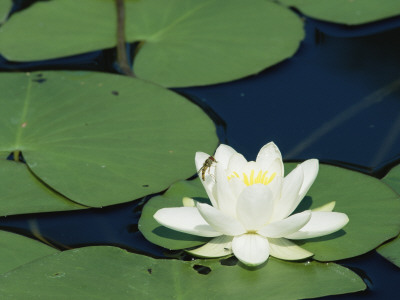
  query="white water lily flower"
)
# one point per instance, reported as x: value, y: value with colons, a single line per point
x: 252, y: 205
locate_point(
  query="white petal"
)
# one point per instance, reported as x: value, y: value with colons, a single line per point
x: 287, y: 250
x: 223, y: 155
x: 289, y: 197
x: 286, y: 226
x: 276, y: 166
x: 236, y: 163
x: 310, y: 169
x: 185, y: 219
x: 209, y: 182
x: 225, y: 197
x: 326, y: 207
x: 219, y: 221
x: 267, y: 155
x: 255, y: 206
x: 217, y: 247
x: 250, y: 249
x: 321, y: 223
x: 236, y: 186
x: 276, y: 188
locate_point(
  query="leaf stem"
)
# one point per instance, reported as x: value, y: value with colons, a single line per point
x: 122, y: 58
x: 16, y: 155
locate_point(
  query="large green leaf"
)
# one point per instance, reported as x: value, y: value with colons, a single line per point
x: 112, y: 273
x: 191, y: 42
x: 183, y: 42
x: 101, y: 139
x: 5, y: 7
x: 22, y: 192
x: 350, y: 12
x: 17, y: 250
x: 372, y: 207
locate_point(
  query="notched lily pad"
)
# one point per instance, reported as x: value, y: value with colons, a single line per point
x: 363, y: 198
x: 101, y: 139
x: 182, y: 42
x: 22, y: 192
x: 350, y: 12
x: 188, y: 43
x: 17, y: 250
x: 111, y: 273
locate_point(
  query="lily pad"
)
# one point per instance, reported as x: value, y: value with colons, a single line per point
x: 182, y: 43
x: 17, y: 250
x: 392, y: 178
x: 372, y: 207
x: 161, y: 235
x: 350, y: 12
x: 391, y: 250
x: 111, y: 273
x: 198, y: 43
x: 5, y: 7
x: 362, y: 198
x: 22, y: 192
x: 101, y: 139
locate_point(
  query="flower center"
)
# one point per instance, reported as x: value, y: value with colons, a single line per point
x: 251, y: 179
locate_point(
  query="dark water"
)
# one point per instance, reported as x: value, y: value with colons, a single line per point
x: 337, y: 99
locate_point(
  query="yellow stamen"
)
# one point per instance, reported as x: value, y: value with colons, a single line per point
x: 272, y: 177
x: 258, y: 178
x: 245, y: 179
x: 252, y: 177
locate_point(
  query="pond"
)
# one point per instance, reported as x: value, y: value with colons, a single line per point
x: 336, y: 99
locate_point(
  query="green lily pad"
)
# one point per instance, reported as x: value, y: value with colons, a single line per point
x: 5, y: 7
x: 164, y: 236
x: 111, y: 273
x: 198, y: 43
x: 182, y: 42
x: 360, y: 196
x: 17, y: 250
x: 22, y: 192
x: 350, y: 12
x: 101, y: 139
x: 372, y: 207
x: 391, y: 250
x: 392, y: 178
